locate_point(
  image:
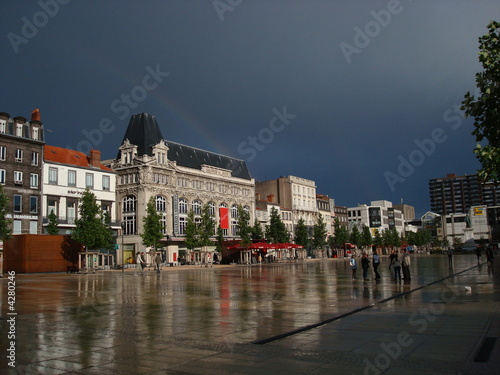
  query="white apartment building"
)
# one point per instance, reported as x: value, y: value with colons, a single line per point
x: 292, y: 193
x: 66, y: 175
x: 377, y: 216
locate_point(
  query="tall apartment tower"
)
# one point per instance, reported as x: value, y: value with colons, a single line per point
x: 456, y: 194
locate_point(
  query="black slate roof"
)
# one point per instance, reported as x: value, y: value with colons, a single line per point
x: 144, y: 132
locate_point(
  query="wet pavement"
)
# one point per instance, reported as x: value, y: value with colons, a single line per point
x: 286, y: 318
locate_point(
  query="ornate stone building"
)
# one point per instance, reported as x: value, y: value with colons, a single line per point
x: 180, y: 178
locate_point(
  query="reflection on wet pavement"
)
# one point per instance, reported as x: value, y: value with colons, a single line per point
x: 112, y: 322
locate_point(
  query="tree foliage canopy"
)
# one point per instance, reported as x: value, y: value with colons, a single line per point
x: 485, y: 107
x: 301, y: 236
x: 152, y: 228
x: 276, y: 231
x: 91, y: 228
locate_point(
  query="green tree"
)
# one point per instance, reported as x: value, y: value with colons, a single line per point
x: 90, y: 228
x: 276, y: 231
x: 301, y: 235
x: 244, y: 229
x: 377, y: 239
x: 206, y: 228
x: 5, y: 224
x: 485, y: 108
x: 52, y: 224
x: 152, y: 226
x: 366, y: 237
x: 191, y: 237
x: 319, y: 233
x: 220, y: 239
x: 257, y: 232
x: 355, y: 236
x: 341, y: 234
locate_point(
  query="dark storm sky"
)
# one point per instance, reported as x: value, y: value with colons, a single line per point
x: 360, y: 96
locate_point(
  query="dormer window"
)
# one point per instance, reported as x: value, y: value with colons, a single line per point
x: 19, y: 129
x: 35, y: 133
x: 3, y: 126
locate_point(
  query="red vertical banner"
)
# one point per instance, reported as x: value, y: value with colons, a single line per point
x: 224, y: 217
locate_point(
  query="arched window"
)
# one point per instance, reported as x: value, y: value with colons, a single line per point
x: 129, y: 206
x: 234, y: 211
x: 161, y: 208
x: 211, y: 208
x: 234, y: 220
x: 196, y: 207
x: 183, y: 206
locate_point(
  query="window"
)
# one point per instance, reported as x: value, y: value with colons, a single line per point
x: 16, y: 227
x: 129, y: 203
x: 71, y: 211
x: 2, y: 126
x: 53, y: 176
x: 161, y: 207
x: 211, y: 209
x: 17, y: 203
x: 183, y: 206
x: 34, y: 180
x: 19, y: 155
x: 33, y: 204
x: 35, y: 133
x: 33, y: 227
x: 196, y: 207
x: 71, y: 178
x: 18, y: 177
x: 2, y: 176
x: 51, y: 205
x: 182, y: 225
x: 34, y: 158
x: 89, y: 180
x: 106, y: 185
x: 3, y: 152
x: 234, y: 211
x: 19, y: 130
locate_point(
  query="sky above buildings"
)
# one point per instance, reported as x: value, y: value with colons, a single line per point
x: 362, y: 97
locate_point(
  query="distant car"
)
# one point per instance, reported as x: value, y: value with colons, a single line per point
x: 410, y: 249
x: 469, y: 245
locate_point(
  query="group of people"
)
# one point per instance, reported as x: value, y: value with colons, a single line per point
x: 395, y: 265
x: 141, y: 262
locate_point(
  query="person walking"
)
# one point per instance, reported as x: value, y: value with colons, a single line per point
x: 376, y: 263
x: 391, y: 264
x: 478, y: 255
x: 158, y: 262
x: 396, y: 266
x: 354, y: 266
x: 406, y: 265
x: 140, y: 264
x: 365, y: 264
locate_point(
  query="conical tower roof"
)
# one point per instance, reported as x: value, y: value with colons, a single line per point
x: 144, y: 132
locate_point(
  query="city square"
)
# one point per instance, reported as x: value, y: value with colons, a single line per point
x: 305, y: 317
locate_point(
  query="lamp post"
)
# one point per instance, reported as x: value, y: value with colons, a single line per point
x: 123, y: 249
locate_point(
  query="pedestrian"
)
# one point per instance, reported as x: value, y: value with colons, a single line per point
x: 478, y: 254
x: 391, y: 258
x: 139, y: 263
x: 396, y: 266
x: 158, y: 262
x: 376, y: 263
x: 406, y: 265
x: 354, y: 266
x: 365, y: 264
x: 450, y: 255
x: 489, y: 256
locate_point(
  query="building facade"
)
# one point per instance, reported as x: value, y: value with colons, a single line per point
x: 66, y: 175
x: 378, y: 216
x: 179, y: 178
x: 21, y: 156
x: 295, y: 193
x: 456, y: 194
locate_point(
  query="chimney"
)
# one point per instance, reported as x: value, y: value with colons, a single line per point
x: 270, y: 198
x: 35, y: 115
x: 95, y: 158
